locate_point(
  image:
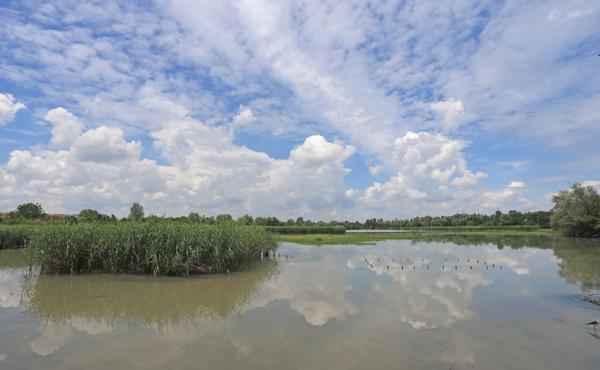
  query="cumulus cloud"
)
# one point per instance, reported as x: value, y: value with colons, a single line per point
x: 376, y: 170
x: 65, y: 126
x: 104, y: 145
x: 9, y: 108
x: 510, y: 196
x: 244, y: 116
x: 425, y: 165
x: 316, y: 150
x: 451, y: 112
x: 206, y: 171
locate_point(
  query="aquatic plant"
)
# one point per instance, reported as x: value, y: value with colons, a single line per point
x: 14, y: 236
x: 155, y: 247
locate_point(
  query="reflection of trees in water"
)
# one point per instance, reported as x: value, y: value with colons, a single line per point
x: 579, y: 259
x: 163, y: 302
x: 500, y: 241
x: 580, y: 263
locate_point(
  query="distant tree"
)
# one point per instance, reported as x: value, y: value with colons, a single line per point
x: 300, y: 221
x: 91, y: 215
x: 194, y: 217
x: 223, y: 218
x: 245, y: 220
x: 30, y: 211
x: 136, y: 212
x: 576, y: 212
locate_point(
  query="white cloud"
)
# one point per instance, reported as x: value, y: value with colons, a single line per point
x: 376, y: 170
x: 592, y: 183
x: 425, y: 165
x: 65, y: 126
x: 9, y: 108
x: 316, y: 150
x: 244, y: 116
x: 451, y: 111
x: 364, y: 74
x: 516, y: 185
x: 510, y: 197
x: 206, y: 171
x: 105, y: 145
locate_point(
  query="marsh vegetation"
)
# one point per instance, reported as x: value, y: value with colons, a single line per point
x: 155, y: 247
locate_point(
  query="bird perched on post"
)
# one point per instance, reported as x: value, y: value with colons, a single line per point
x: 594, y: 323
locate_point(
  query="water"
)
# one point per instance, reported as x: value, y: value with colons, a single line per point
x: 481, y: 304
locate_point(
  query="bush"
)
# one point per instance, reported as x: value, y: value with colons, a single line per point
x: 576, y: 212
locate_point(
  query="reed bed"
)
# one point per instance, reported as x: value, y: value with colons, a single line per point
x: 14, y: 236
x: 159, y: 247
x: 306, y: 229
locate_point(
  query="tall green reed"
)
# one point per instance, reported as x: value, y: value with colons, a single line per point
x: 155, y: 247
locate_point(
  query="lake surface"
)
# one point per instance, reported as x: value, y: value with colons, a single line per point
x: 439, y: 303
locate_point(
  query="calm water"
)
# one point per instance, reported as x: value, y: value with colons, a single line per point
x: 481, y: 304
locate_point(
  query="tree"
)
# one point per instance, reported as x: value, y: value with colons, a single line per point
x: 223, y: 218
x: 245, y: 220
x: 194, y: 217
x: 576, y: 212
x: 91, y: 215
x: 136, y: 212
x: 30, y: 211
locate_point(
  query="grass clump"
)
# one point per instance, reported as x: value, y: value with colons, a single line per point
x: 306, y: 229
x: 149, y: 247
x: 14, y: 236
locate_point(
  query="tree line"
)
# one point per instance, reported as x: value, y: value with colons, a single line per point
x: 576, y: 212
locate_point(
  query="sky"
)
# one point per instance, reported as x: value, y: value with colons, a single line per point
x: 323, y: 109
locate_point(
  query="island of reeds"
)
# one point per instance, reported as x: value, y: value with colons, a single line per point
x: 147, y: 247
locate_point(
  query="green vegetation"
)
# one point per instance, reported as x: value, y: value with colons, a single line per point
x: 14, y: 236
x: 306, y: 229
x: 348, y: 238
x: 30, y: 211
x: 416, y: 234
x: 576, y: 212
x: 156, y: 247
x: 512, y: 218
x: 136, y: 212
x: 91, y: 215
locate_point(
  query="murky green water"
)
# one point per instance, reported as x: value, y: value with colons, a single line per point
x: 459, y: 303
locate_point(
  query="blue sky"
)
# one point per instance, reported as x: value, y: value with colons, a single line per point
x: 321, y: 109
